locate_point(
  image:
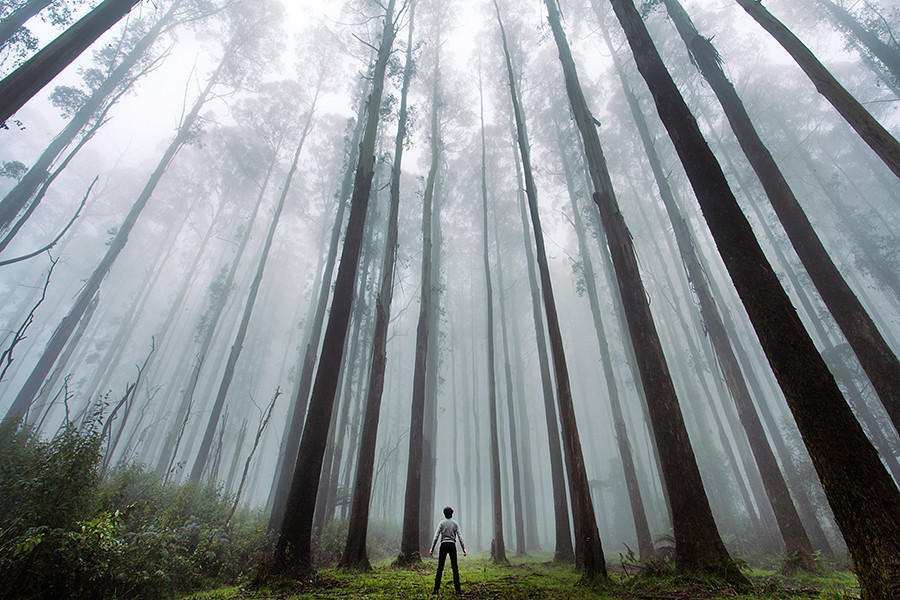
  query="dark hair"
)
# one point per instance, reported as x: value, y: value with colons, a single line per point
x: 448, y: 512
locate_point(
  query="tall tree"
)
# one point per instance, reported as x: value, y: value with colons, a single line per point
x: 411, y: 533
x: 354, y: 556
x: 887, y: 54
x: 828, y: 427
x: 871, y: 131
x: 18, y: 87
x: 638, y: 513
x: 588, y: 549
x: 873, y: 352
x: 498, y: 547
x: 297, y: 413
x: 293, y: 552
x: 64, y: 330
x: 238, y: 343
x: 698, y: 545
x: 91, y: 108
x: 563, y: 551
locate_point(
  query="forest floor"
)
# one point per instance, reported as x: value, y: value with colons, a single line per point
x: 527, y: 579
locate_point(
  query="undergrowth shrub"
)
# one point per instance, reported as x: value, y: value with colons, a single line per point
x: 382, y: 542
x: 65, y: 532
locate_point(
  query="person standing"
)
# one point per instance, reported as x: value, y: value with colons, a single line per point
x: 448, y: 532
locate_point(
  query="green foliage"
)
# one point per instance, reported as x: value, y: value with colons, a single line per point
x: 13, y: 169
x: 382, y: 537
x: 64, y: 533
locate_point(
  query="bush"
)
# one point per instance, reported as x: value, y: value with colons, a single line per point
x: 64, y: 533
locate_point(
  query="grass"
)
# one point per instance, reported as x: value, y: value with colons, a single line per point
x: 532, y: 579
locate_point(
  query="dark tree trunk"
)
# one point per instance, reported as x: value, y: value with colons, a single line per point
x: 518, y: 513
x: 871, y: 131
x: 828, y: 427
x: 294, y: 428
x: 498, y: 546
x: 18, y: 17
x: 64, y: 330
x: 698, y: 545
x: 19, y: 196
x: 18, y: 87
x: 588, y: 549
x: 238, y: 343
x: 638, y: 513
x: 410, y: 536
x: 876, y: 357
x: 355, y: 556
x: 563, y: 551
x: 293, y: 551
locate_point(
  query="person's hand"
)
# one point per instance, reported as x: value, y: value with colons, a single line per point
x: 431, y: 553
x: 465, y: 553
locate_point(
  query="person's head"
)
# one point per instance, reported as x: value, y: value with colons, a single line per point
x: 448, y: 512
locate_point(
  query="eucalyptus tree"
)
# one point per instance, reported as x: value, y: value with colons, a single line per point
x: 563, y: 551
x: 21, y: 85
x: 698, y: 545
x: 588, y: 549
x: 244, y: 34
x: 823, y: 417
x: 498, y: 547
x: 118, y: 66
x: 319, y: 80
x: 410, y: 538
x: 869, y: 129
x: 354, y: 556
x: 293, y: 552
x: 872, y: 350
x: 297, y: 411
x: 888, y: 54
x: 60, y: 14
x: 636, y: 501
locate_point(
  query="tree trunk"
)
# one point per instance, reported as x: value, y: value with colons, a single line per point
x: 89, y: 290
x: 294, y: 428
x: 871, y: 131
x: 698, y: 545
x: 498, y: 547
x: 828, y: 427
x: 293, y: 550
x: 518, y: 514
x: 238, y: 344
x: 18, y: 87
x: 17, y: 198
x: 638, y: 513
x: 876, y: 357
x: 563, y: 551
x: 410, y: 536
x: 355, y: 556
x: 588, y: 549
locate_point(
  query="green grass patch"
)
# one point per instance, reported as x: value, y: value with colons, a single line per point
x: 534, y: 578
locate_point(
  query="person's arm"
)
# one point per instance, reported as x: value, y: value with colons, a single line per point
x: 459, y: 536
x: 436, y: 535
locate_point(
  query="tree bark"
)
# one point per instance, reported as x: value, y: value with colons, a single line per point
x: 354, y: 556
x: 293, y: 550
x: 18, y: 87
x: 871, y: 131
x: 498, y: 546
x: 828, y: 427
x: 588, y: 549
x: 410, y: 536
x: 876, y: 357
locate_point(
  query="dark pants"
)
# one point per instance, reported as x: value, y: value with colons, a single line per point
x: 447, y: 548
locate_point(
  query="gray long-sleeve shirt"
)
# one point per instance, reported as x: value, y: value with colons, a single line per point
x: 448, y: 531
